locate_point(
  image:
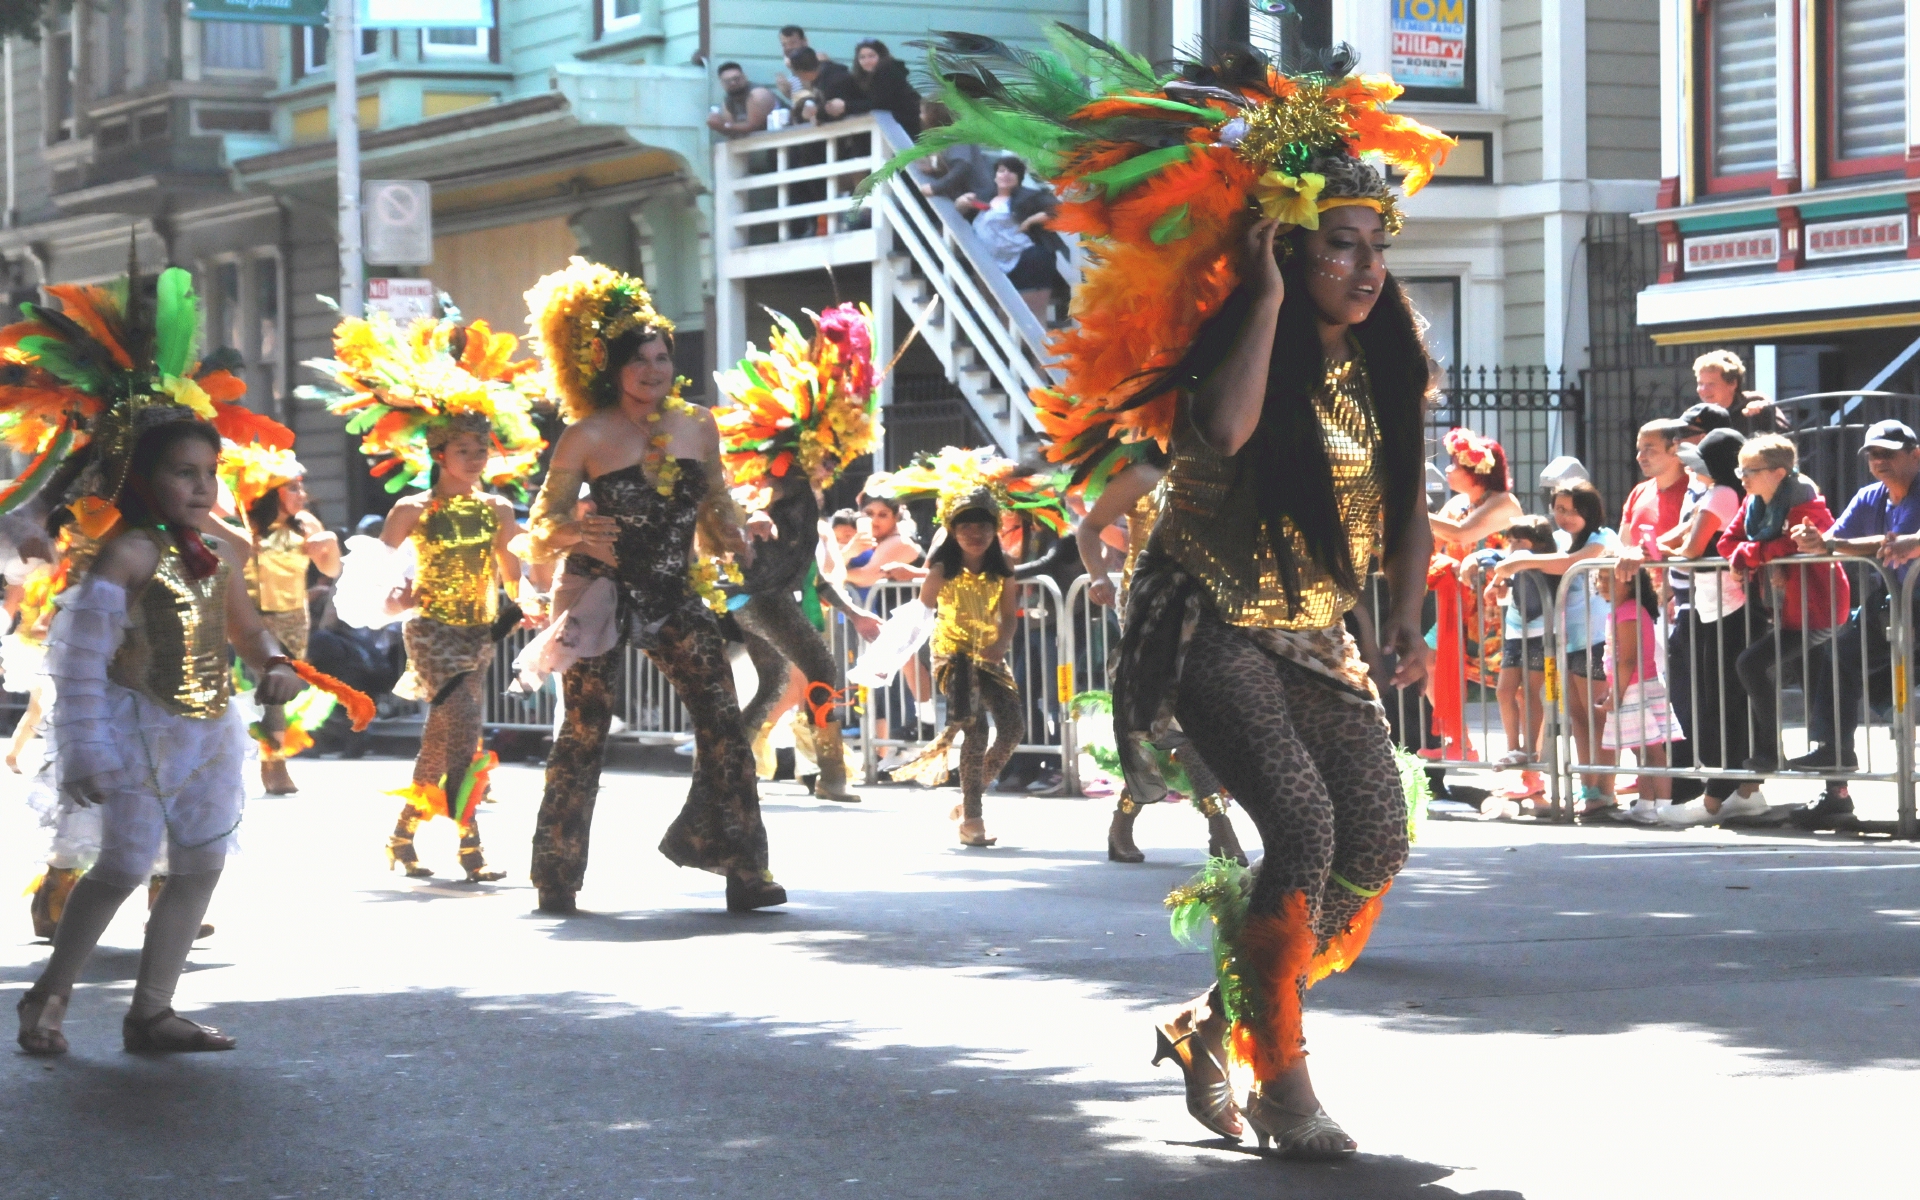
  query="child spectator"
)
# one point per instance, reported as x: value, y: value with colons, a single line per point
x: 1581, y: 515
x: 1523, y: 652
x: 1635, y: 706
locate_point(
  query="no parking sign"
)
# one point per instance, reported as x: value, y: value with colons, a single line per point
x: 397, y: 216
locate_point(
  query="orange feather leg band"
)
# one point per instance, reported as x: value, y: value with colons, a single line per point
x: 359, y: 706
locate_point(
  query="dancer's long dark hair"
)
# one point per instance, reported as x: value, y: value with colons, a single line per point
x: 1286, y: 458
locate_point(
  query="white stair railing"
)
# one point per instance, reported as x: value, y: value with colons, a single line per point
x: 924, y: 253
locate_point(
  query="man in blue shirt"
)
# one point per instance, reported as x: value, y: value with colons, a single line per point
x: 1880, y: 516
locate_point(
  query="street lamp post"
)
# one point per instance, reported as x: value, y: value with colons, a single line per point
x: 346, y: 142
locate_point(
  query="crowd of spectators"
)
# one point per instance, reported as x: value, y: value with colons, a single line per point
x: 1681, y: 666
x: 1009, y: 212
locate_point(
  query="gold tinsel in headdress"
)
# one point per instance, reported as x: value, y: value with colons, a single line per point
x: 576, y: 314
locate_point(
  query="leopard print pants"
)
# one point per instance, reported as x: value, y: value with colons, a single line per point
x: 778, y: 633
x: 980, y: 764
x: 1313, y: 770
x: 719, y: 829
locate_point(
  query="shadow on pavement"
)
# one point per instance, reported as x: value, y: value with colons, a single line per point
x: 432, y: 1093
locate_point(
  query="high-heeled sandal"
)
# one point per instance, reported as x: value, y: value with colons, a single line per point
x: 35, y: 1038
x: 745, y: 895
x: 1296, y: 1136
x: 147, y: 1035
x: 401, y: 854
x: 973, y: 831
x: 1209, y: 1092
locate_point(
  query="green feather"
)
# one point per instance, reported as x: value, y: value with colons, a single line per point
x: 310, y: 709
x: 1172, y: 227
x: 367, y: 418
x: 38, y: 472
x: 1413, y: 783
x: 786, y: 323
x: 1129, y: 174
x: 176, y: 322
x: 57, y: 359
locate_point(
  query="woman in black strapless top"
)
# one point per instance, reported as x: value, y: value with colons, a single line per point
x: 641, y: 536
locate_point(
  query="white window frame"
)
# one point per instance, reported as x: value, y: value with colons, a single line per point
x: 219, y: 319
x: 482, y: 47
x: 309, y: 67
x: 609, y: 23
x: 266, y: 50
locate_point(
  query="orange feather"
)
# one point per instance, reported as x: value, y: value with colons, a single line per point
x: 87, y: 307
x: 1274, y: 953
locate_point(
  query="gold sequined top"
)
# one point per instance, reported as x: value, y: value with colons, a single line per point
x: 277, y: 572
x: 969, y: 615
x: 1140, y: 523
x: 176, y: 645
x: 1210, y: 522
x: 455, y: 582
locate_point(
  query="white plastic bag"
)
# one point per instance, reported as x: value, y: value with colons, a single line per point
x: 900, y: 639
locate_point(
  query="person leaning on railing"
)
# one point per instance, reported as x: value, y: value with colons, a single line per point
x: 1810, y: 602
x: 1881, y: 521
x: 1707, y: 631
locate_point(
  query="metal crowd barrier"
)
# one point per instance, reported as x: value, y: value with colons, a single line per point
x: 1819, y: 685
x: 1038, y: 651
x: 1833, y: 660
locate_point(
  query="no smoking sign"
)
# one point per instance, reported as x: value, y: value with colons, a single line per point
x: 397, y: 215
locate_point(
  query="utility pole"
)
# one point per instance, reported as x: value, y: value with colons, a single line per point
x: 346, y: 143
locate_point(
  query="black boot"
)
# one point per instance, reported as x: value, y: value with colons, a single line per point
x: 1834, y: 811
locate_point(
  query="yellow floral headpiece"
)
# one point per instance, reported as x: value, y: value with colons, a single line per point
x: 253, y: 470
x: 575, y: 314
x: 407, y: 391
x: 956, y: 479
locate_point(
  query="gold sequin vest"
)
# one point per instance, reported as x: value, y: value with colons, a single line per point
x: 277, y: 573
x: 176, y: 645
x: 968, y: 614
x: 454, y: 545
x: 1210, y: 521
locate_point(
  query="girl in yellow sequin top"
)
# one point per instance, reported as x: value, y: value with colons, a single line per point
x: 970, y: 586
x: 287, y: 538
x: 460, y: 535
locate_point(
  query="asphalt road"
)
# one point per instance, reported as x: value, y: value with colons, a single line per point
x: 1544, y: 1012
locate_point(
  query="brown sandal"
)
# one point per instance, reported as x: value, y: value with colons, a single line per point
x: 146, y: 1036
x: 35, y: 1040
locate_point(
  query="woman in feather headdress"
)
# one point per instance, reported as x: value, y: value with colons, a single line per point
x: 1239, y: 314
x: 437, y: 409
x: 644, y: 564
x: 137, y: 651
x: 801, y: 411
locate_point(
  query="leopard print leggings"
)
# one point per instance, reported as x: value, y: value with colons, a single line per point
x: 719, y: 829
x: 778, y: 633
x: 455, y: 723
x: 979, y: 764
x: 1314, y: 771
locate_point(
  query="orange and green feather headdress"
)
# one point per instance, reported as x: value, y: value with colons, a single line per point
x: 1161, y: 178
x: 803, y: 405
x: 406, y: 391
x: 94, y: 373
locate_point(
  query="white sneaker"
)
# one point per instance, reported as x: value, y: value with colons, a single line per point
x: 1738, y: 807
x: 1643, y: 812
x: 1693, y: 812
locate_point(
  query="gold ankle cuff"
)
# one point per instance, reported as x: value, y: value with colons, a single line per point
x: 1212, y: 805
x: 1127, y: 804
